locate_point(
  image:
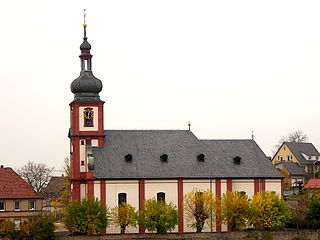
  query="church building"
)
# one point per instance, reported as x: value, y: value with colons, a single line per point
x: 134, y: 165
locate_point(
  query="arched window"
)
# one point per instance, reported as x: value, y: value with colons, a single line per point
x: 88, y: 117
x: 161, y: 197
x: 122, y: 198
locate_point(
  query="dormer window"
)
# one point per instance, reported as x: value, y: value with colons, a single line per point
x: 164, y: 158
x: 88, y: 117
x: 200, y: 157
x: 128, y: 158
x: 237, y: 160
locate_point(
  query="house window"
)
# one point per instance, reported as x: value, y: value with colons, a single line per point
x: 17, y: 223
x: 164, y: 158
x: 309, y: 157
x: 289, y: 158
x: 88, y: 117
x: 122, y: 198
x: 32, y: 205
x: 280, y: 158
x: 2, y: 206
x: 317, y: 158
x: 17, y: 206
x: 161, y: 197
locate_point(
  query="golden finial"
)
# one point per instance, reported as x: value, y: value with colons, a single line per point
x: 252, y: 135
x: 189, y: 125
x: 84, y: 18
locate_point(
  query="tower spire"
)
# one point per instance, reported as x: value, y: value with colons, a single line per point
x: 84, y: 24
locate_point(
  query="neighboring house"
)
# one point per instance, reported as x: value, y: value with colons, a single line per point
x: 18, y: 200
x: 131, y: 166
x: 313, y: 184
x: 305, y: 154
x: 294, y: 171
x: 52, y: 192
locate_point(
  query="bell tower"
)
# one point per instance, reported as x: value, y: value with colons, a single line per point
x: 86, y: 122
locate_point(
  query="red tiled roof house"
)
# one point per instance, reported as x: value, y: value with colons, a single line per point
x: 18, y: 200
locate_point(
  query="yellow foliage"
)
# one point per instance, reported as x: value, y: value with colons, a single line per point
x: 124, y: 215
x: 199, y: 207
x: 235, y: 209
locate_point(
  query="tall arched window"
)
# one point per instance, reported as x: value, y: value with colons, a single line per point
x: 161, y: 197
x: 88, y: 117
x: 122, y: 198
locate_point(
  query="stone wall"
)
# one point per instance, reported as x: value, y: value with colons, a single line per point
x: 250, y: 235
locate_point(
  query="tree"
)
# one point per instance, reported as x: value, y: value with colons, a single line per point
x: 269, y: 211
x: 158, y: 216
x: 36, y: 174
x: 295, y: 136
x: 65, y: 196
x: 124, y: 215
x: 38, y: 228
x: 199, y: 206
x: 235, y: 210
x: 313, y: 211
x: 88, y: 216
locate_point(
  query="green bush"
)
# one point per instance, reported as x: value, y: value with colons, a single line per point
x: 6, y: 229
x: 313, y: 212
x: 37, y: 228
x: 158, y: 216
x: 88, y: 216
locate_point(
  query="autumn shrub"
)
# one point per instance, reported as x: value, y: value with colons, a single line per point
x: 124, y: 215
x: 87, y: 216
x: 313, y: 212
x: 158, y: 216
x: 7, y: 229
x: 199, y: 208
x: 37, y: 228
x: 269, y: 211
x: 235, y: 210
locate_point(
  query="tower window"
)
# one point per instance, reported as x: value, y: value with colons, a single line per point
x: 237, y: 160
x: 200, y: 157
x: 122, y: 198
x: 161, y: 197
x: 164, y: 158
x: 88, y: 117
x: 128, y: 158
x: 90, y: 159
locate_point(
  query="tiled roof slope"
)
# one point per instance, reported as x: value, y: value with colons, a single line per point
x: 294, y: 168
x: 55, y: 185
x: 13, y: 186
x: 313, y: 183
x: 182, y: 148
x: 306, y: 148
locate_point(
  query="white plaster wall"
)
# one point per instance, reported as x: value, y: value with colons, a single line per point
x: 94, y: 142
x: 83, y: 191
x: 224, y: 227
x: 189, y: 186
x: 246, y: 185
x: 113, y: 188
x: 273, y: 185
x: 169, y: 187
x: 96, y: 189
x: 95, y: 119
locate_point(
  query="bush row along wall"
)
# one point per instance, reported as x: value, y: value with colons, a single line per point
x: 250, y: 235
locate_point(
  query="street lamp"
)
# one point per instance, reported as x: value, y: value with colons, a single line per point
x: 314, y: 163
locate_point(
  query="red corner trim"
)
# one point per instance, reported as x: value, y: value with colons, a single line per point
x: 141, y: 200
x: 263, y: 185
x: 218, y: 196
x: 256, y: 185
x: 180, y: 205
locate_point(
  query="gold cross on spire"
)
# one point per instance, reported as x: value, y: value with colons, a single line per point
x: 84, y: 18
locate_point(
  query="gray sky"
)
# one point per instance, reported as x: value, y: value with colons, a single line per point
x: 229, y: 67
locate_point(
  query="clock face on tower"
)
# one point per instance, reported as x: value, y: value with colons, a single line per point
x: 88, y: 117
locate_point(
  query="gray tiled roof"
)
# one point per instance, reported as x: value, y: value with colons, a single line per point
x: 306, y: 148
x: 182, y: 148
x: 293, y: 168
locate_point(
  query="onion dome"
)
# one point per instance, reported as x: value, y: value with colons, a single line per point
x: 86, y: 87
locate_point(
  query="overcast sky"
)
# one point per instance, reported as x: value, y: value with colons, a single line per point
x: 229, y: 67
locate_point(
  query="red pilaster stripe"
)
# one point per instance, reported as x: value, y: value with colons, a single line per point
x: 75, y: 190
x: 103, y: 192
x: 90, y: 188
x: 218, y: 196
x: 141, y: 200
x: 263, y: 185
x: 180, y: 205
x: 229, y: 185
x: 256, y: 185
